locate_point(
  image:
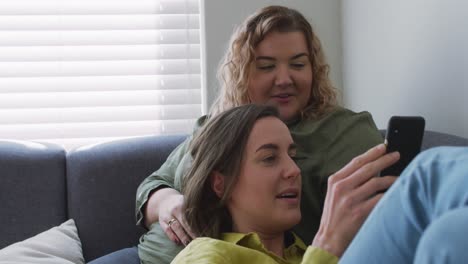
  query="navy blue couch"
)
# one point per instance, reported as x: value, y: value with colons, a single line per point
x: 42, y: 185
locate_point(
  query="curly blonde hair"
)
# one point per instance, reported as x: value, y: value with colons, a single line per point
x: 233, y: 73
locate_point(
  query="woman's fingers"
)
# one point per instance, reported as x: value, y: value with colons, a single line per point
x: 187, y: 229
x: 370, y: 170
x: 170, y: 234
x: 184, y: 233
x: 372, y: 188
x: 179, y: 231
x: 172, y: 221
x: 359, y: 161
x: 370, y: 204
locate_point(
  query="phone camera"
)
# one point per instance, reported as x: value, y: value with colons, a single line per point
x: 396, y: 131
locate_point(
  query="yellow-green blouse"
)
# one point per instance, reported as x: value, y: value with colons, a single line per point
x: 236, y: 248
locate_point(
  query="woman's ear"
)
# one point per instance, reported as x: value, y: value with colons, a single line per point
x: 217, y: 183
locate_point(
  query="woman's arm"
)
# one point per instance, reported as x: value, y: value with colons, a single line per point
x: 352, y: 193
x: 158, y: 199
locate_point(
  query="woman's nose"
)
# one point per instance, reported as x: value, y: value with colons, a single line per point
x: 283, y: 77
x: 292, y: 170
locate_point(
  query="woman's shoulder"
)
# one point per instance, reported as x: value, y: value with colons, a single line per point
x: 200, y: 122
x: 346, y: 119
x: 340, y: 112
x: 336, y: 117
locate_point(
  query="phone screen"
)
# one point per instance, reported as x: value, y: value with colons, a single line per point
x: 404, y: 134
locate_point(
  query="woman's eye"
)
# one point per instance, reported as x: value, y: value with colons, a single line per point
x: 298, y: 65
x: 265, y: 67
x: 269, y: 159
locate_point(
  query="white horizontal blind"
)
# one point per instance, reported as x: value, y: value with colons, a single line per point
x: 75, y: 72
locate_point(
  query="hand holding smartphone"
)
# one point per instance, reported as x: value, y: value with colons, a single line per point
x: 404, y: 134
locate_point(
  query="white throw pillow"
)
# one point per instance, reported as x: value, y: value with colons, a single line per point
x: 58, y: 245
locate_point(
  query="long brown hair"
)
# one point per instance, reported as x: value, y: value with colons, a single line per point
x: 218, y: 146
x: 233, y: 73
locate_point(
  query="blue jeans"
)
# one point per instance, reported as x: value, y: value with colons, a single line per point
x: 123, y: 256
x: 423, y: 217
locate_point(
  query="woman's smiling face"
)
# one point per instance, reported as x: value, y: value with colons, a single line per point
x: 281, y: 74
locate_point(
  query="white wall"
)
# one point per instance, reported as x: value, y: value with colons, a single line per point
x: 407, y: 57
x: 221, y: 17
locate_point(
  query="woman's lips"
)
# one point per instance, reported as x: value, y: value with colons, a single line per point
x: 290, y: 196
x: 282, y: 98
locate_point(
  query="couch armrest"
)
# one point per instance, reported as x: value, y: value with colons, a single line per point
x: 32, y: 189
x: 102, y: 181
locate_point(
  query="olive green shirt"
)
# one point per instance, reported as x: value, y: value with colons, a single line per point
x: 325, y: 145
x: 237, y: 248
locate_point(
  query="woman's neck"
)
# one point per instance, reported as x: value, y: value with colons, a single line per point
x: 274, y: 244
x: 273, y: 241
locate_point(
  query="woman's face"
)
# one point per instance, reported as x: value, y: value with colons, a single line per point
x: 281, y: 74
x: 266, y: 196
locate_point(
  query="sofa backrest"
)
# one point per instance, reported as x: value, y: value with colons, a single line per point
x: 32, y: 189
x: 102, y: 181
x: 435, y: 139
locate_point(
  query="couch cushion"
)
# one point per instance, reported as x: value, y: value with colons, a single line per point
x: 32, y: 189
x: 58, y: 245
x: 102, y: 181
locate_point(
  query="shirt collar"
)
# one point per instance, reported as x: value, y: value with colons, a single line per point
x: 252, y: 239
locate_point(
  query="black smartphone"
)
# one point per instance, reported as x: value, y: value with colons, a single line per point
x: 405, y: 135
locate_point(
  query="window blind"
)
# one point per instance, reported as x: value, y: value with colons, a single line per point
x: 75, y: 72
